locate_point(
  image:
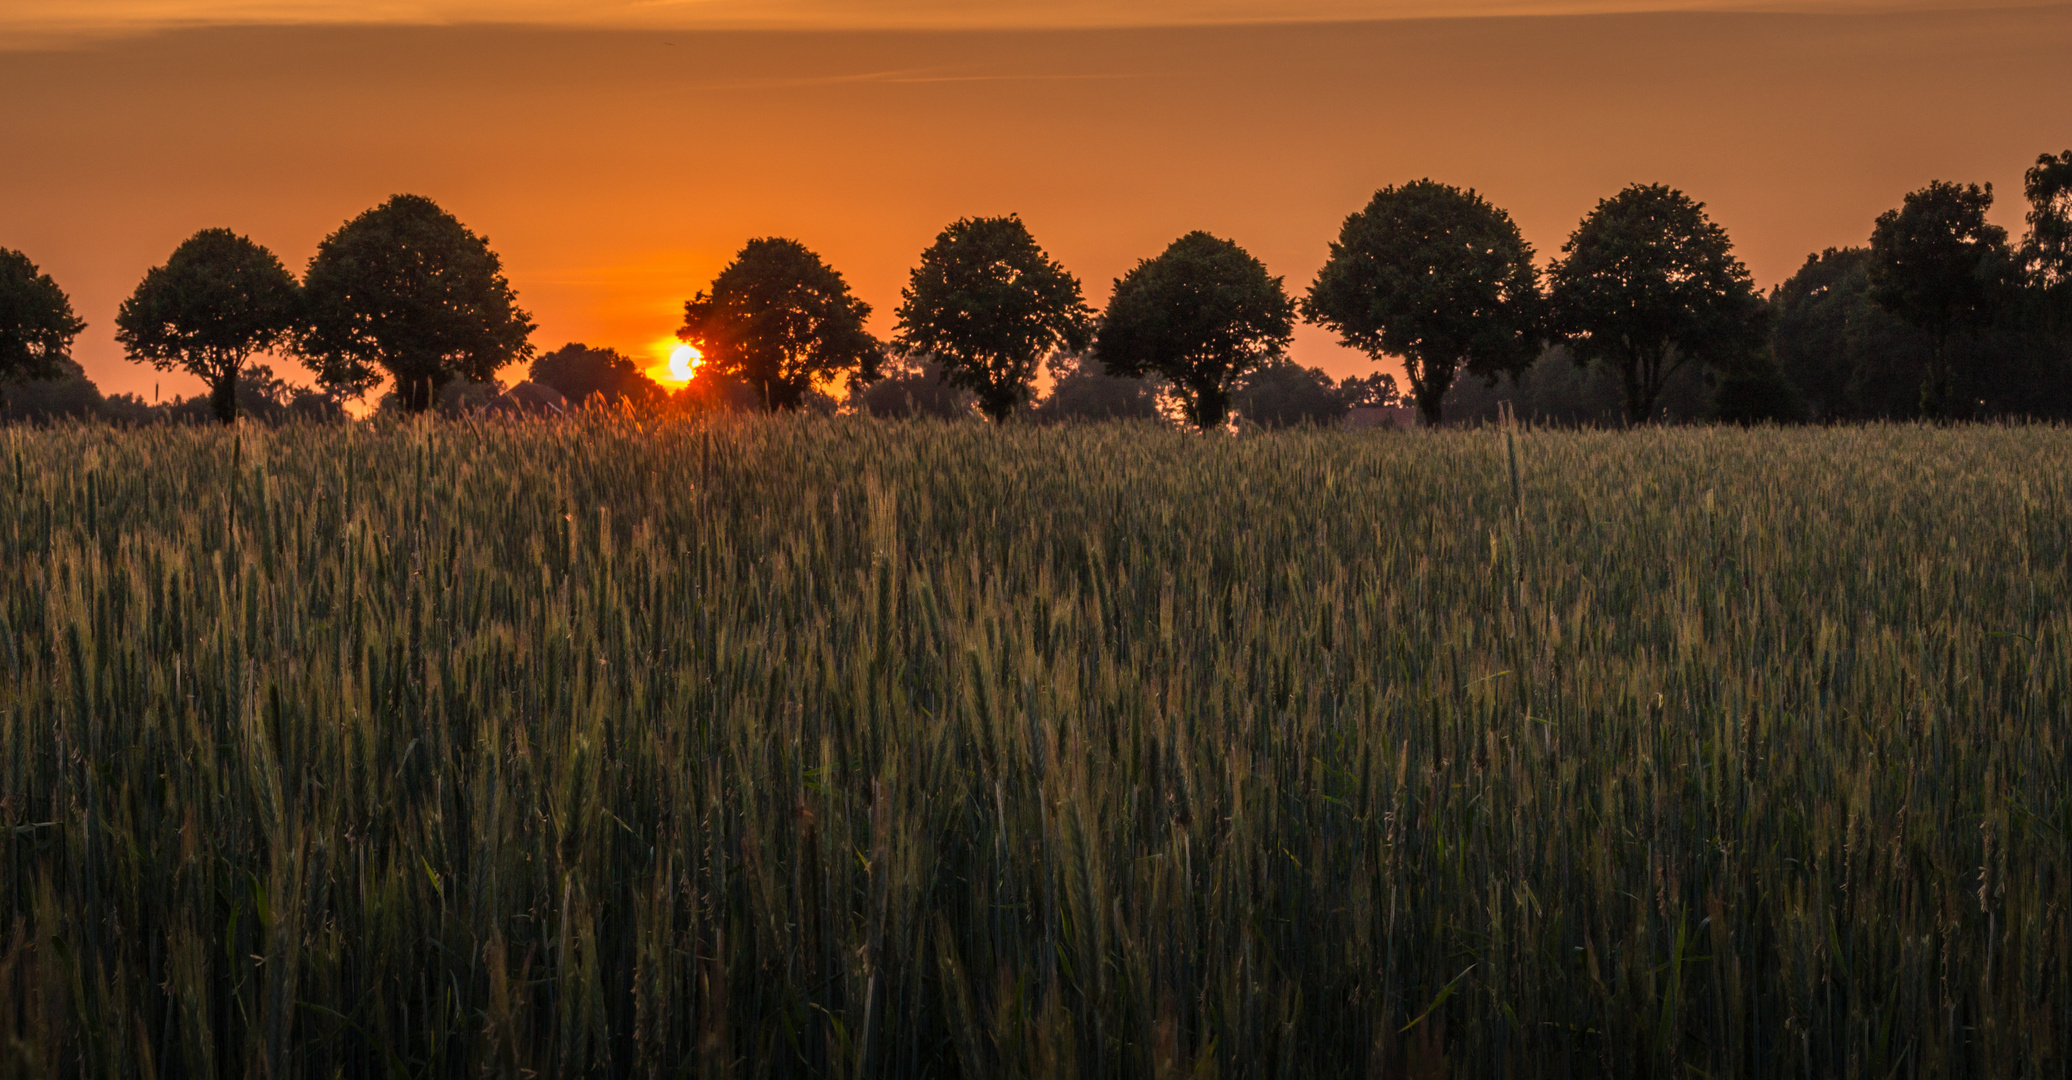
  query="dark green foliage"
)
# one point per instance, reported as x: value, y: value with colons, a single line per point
x: 407, y: 291
x: 1855, y: 360
x: 1850, y: 357
x: 987, y: 305
x: 917, y: 389
x: 66, y: 395
x: 581, y: 374
x: 261, y: 395
x: 1083, y: 390
x: 1437, y: 276
x: 2047, y: 250
x: 1648, y: 284
x: 36, y: 321
x: 217, y: 300
x: 1376, y: 390
x: 1200, y: 316
x: 461, y: 397
x: 711, y: 390
x: 1938, y: 265
x: 783, y: 321
x: 1283, y: 393
x: 1756, y: 392
x: 1557, y: 392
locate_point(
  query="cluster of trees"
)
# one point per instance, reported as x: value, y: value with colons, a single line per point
x: 402, y: 292
x: 1941, y: 316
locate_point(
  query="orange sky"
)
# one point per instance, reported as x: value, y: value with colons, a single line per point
x: 616, y: 170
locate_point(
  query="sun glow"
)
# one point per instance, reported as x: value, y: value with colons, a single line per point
x: 682, y: 364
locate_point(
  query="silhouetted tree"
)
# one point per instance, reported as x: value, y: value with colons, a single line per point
x: 1756, y: 391
x: 1283, y: 393
x: 1201, y: 315
x: 782, y: 320
x: 918, y: 388
x: 461, y: 397
x: 1083, y: 390
x: 36, y: 321
x: 1938, y: 264
x: 1370, y: 391
x: 2047, y: 250
x: 715, y: 391
x: 1849, y: 357
x: 988, y: 305
x: 1647, y: 284
x: 62, y: 392
x: 261, y: 395
x: 407, y: 290
x: 1558, y: 392
x: 1437, y: 276
x: 582, y: 373
x: 217, y: 300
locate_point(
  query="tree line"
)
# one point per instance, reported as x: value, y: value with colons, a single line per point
x: 1941, y: 316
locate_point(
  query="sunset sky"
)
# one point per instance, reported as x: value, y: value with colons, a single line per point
x: 617, y: 154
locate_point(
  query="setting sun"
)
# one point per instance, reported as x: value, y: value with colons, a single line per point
x: 675, y: 373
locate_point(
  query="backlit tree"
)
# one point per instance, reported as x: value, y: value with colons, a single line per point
x: 988, y: 305
x: 217, y: 300
x: 1201, y: 315
x: 1437, y: 276
x: 407, y: 291
x: 782, y: 320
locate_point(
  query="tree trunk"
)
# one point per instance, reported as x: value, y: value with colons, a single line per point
x: 1636, y: 409
x: 782, y: 396
x: 1431, y: 407
x: 418, y: 395
x: 1640, y: 393
x: 223, y: 398
x: 998, y: 407
x: 1211, y: 407
x: 1429, y: 382
x: 1935, y: 389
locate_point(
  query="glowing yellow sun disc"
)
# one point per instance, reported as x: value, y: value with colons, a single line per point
x: 683, y: 363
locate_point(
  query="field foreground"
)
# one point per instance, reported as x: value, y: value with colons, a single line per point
x: 810, y: 748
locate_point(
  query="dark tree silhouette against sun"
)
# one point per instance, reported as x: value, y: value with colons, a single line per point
x: 782, y: 320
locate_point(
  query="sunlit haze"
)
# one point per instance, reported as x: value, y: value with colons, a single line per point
x: 616, y: 167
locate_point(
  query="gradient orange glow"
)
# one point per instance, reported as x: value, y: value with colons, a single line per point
x: 616, y: 171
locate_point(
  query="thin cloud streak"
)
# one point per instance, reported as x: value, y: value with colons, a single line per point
x: 44, y: 23
x: 913, y: 77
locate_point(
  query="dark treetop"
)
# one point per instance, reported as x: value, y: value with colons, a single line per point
x: 581, y: 373
x: 1437, y: 276
x: 1937, y: 264
x: 1377, y: 390
x: 1084, y: 390
x: 2048, y: 249
x: 36, y: 321
x: 1852, y: 359
x: 1647, y: 284
x: 782, y: 320
x: 1201, y: 315
x: 217, y: 300
x: 1282, y: 393
x: 406, y: 289
x: 989, y: 305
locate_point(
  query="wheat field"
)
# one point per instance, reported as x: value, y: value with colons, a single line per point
x: 838, y: 748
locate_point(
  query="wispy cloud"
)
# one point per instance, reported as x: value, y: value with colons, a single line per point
x: 46, y: 19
